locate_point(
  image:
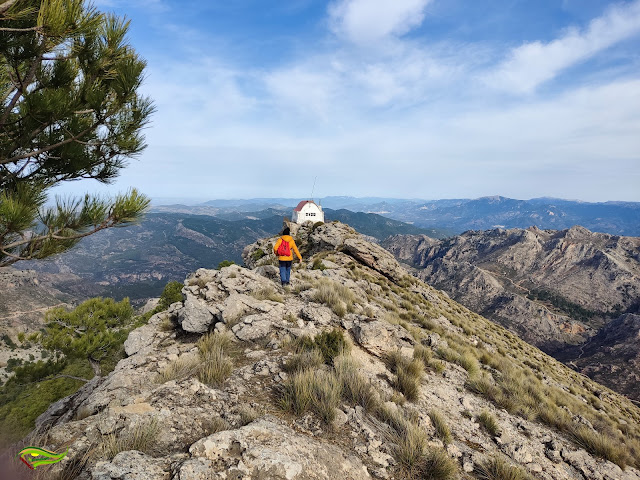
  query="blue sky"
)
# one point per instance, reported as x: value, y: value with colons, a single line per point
x: 405, y: 98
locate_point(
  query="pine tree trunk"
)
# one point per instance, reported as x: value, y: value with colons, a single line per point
x: 96, y: 366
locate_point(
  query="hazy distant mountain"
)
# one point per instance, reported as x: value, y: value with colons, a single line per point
x: 459, y: 215
x: 555, y: 289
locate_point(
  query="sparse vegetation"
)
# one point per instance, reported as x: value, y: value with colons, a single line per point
x: 440, y: 424
x: 215, y: 365
x: 489, y: 423
x: 337, y: 297
x: 498, y: 468
x: 141, y: 436
x: 267, y: 293
x: 409, y: 374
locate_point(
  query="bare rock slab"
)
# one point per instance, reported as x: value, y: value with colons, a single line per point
x: 266, y: 449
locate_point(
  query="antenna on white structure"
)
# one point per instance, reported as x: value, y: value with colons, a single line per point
x: 314, y: 187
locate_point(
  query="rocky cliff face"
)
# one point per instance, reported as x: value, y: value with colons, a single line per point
x: 244, y: 379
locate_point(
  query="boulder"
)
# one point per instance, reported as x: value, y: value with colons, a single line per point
x: 195, y: 315
x: 381, y: 338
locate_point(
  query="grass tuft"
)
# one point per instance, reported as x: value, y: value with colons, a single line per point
x: 497, y: 468
x: 440, y: 424
x: 489, y: 423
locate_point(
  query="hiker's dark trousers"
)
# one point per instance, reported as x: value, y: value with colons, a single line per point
x: 285, y: 271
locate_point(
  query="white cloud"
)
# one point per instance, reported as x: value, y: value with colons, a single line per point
x: 368, y: 21
x: 532, y: 64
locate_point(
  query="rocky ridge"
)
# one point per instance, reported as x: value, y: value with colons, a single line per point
x: 240, y: 428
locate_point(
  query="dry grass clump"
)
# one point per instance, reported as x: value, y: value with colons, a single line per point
x: 489, y: 423
x: 600, y: 445
x: 410, y: 450
x: 318, y: 390
x: 247, y: 414
x: 337, y: 297
x: 215, y: 425
x: 469, y: 362
x: 409, y: 374
x: 355, y: 388
x: 326, y: 393
x: 141, y: 437
x: 216, y: 366
x: 183, y: 367
x: 267, y: 293
x: 497, y: 468
x: 425, y: 355
x: 307, y: 359
x: 436, y: 464
x: 443, y: 432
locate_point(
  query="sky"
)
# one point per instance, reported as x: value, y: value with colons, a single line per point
x: 421, y: 99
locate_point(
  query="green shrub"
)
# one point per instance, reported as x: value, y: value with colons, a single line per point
x: 225, y: 263
x: 318, y: 265
x: 331, y: 344
x: 257, y: 254
x: 171, y: 293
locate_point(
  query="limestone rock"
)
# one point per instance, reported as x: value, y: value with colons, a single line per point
x: 380, y: 338
x: 131, y: 465
x: 195, y: 316
x: 267, y: 449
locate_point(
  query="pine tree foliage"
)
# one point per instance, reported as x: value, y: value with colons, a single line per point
x: 69, y: 110
x: 94, y: 330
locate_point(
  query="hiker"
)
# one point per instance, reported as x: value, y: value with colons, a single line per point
x: 284, y: 248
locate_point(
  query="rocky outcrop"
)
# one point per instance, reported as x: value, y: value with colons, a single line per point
x: 158, y: 416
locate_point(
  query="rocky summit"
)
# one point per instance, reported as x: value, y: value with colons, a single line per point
x: 355, y: 371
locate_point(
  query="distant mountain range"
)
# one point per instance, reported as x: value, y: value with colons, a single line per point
x: 459, y: 215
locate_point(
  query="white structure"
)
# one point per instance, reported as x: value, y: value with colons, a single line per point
x: 308, y: 211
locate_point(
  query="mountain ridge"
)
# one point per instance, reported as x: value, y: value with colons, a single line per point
x: 422, y: 370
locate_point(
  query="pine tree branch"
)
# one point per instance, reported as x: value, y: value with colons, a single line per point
x: 6, y: 6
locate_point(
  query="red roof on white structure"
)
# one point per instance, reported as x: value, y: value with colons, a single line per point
x: 302, y: 204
